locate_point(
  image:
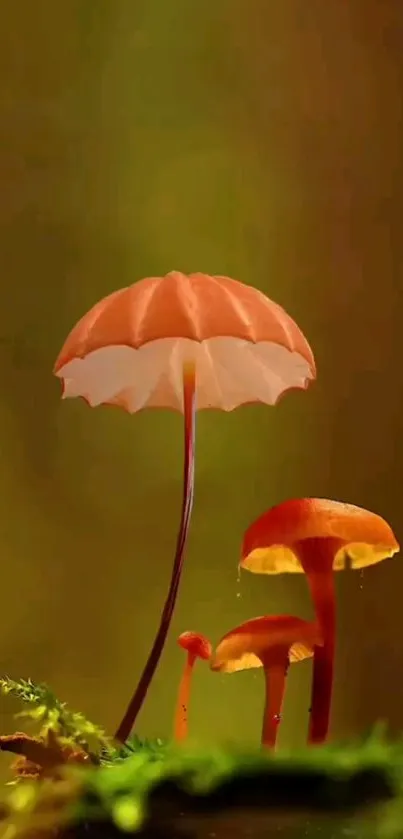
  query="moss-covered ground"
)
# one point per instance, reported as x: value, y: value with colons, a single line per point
x: 159, y: 790
x: 69, y: 780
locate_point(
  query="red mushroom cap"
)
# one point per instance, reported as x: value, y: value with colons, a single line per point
x: 246, y: 645
x: 270, y: 544
x: 196, y: 644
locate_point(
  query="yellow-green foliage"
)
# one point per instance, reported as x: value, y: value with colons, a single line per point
x: 43, y: 707
x: 339, y: 781
x: 129, y: 784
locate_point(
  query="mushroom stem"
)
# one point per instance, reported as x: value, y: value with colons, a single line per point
x: 322, y: 588
x: 317, y: 556
x: 275, y: 675
x: 189, y: 409
x: 182, y: 705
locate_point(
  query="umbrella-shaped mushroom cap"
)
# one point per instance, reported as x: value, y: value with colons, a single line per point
x: 129, y: 349
x: 270, y: 543
x: 244, y: 647
x: 196, y: 644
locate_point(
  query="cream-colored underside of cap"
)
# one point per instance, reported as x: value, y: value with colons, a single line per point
x: 246, y: 660
x: 229, y: 372
x: 279, y: 559
x: 247, y: 646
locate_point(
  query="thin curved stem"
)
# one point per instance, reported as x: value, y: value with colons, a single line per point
x: 136, y: 702
x: 182, y: 704
x: 275, y: 676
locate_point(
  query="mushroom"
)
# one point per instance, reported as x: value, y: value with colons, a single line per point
x: 272, y: 642
x: 185, y: 343
x: 317, y: 536
x: 196, y: 646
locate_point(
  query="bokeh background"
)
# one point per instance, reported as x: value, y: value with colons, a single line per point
x: 259, y: 139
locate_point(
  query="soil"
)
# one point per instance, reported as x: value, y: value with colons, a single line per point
x: 244, y: 824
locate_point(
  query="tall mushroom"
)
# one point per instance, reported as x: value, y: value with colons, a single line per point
x: 182, y: 342
x: 196, y: 646
x: 272, y: 642
x: 317, y: 536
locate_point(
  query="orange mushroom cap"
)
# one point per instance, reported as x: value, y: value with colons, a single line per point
x: 195, y: 644
x: 270, y: 543
x: 244, y: 647
x: 129, y: 350
x: 195, y: 306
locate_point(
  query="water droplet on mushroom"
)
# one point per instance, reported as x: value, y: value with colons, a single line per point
x: 238, y: 582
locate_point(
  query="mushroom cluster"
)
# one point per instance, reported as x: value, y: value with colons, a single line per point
x: 314, y: 536
x: 186, y: 343
x: 317, y: 536
x: 198, y: 341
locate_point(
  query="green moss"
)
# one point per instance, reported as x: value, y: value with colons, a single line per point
x: 42, y: 707
x: 153, y: 788
x: 152, y: 784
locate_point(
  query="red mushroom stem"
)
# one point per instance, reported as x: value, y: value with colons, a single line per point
x: 275, y: 670
x: 189, y: 409
x: 317, y: 557
x: 181, y: 713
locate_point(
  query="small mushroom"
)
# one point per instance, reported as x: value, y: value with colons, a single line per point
x: 196, y: 646
x: 317, y: 536
x: 272, y: 642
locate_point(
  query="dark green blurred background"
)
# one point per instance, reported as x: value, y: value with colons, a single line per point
x: 262, y: 139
